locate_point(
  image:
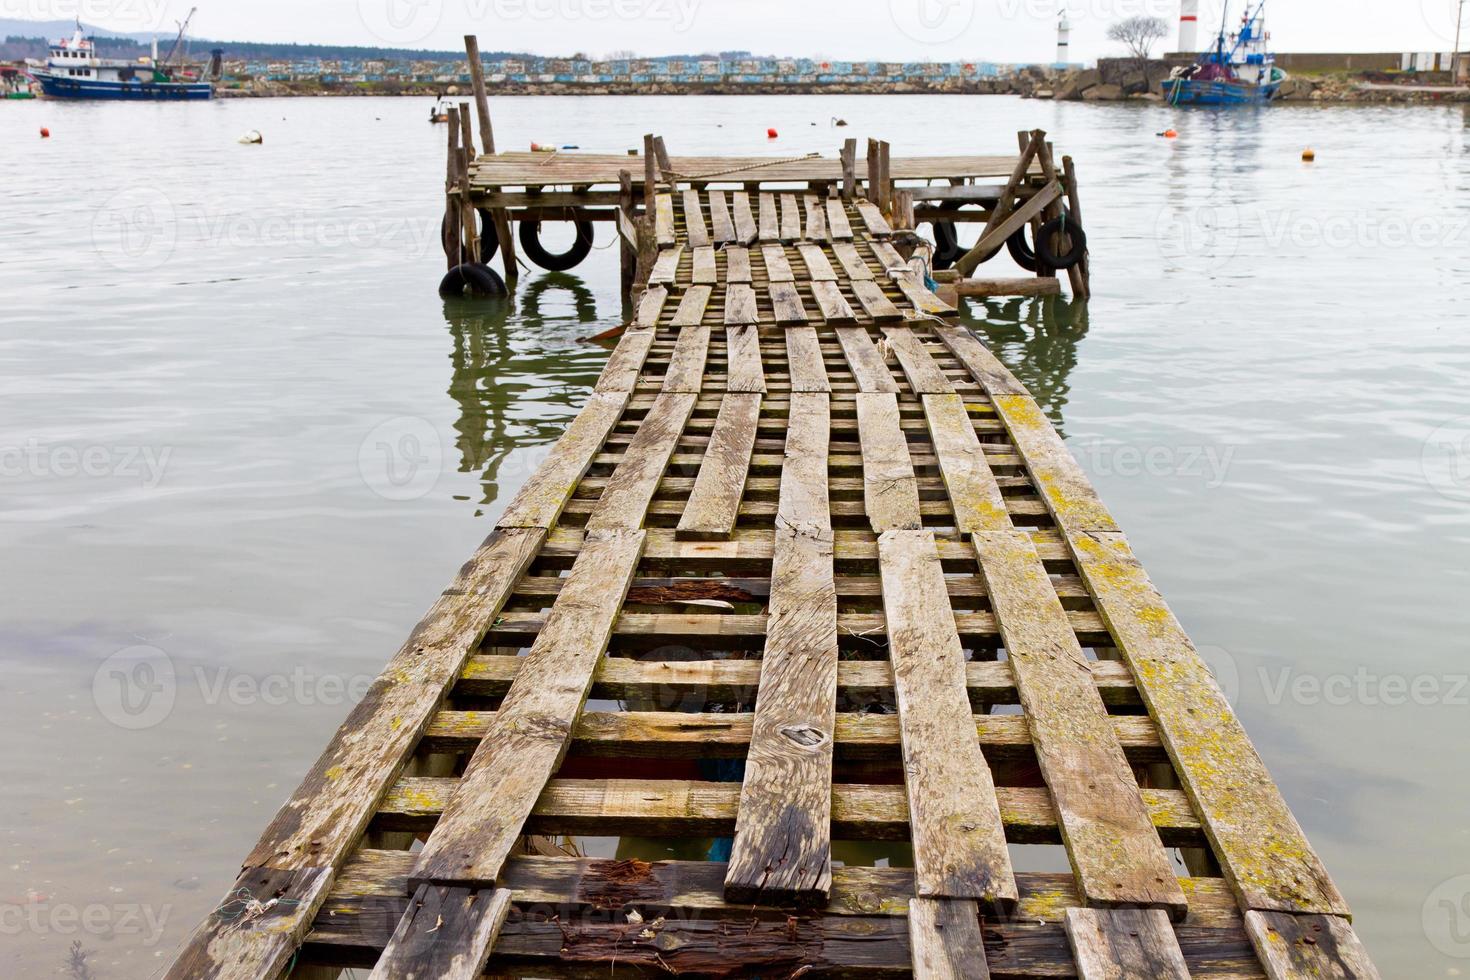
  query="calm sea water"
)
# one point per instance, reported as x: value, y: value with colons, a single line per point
x: 245, y: 445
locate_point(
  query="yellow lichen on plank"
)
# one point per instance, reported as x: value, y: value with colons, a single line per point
x: 1072, y: 501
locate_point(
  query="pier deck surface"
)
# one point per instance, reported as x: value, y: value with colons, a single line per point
x: 828, y: 577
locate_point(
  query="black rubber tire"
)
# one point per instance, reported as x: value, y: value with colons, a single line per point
x: 471, y: 280
x: 1073, y: 231
x: 530, y: 236
x: 1021, y: 250
x: 947, y: 249
x: 489, y: 237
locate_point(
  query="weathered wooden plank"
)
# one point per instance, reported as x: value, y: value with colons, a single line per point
x: 1070, y: 498
x: 691, y: 308
x: 893, y: 264
x: 984, y: 367
x: 624, y: 502
x: 890, y: 490
x: 740, y: 305
x: 783, y: 841
x: 694, y: 227
x: 704, y: 271
x: 778, y: 269
x: 714, y: 503
x: 868, y: 369
x: 790, y: 218
x: 816, y: 218
x: 620, y: 373
x: 231, y: 945
x: 743, y: 351
x: 878, y: 225
x: 804, y: 359
x: 737, y: 264
x: 818, y: 269
x: 837, y: 224
x: 851, y: 260
x: 650, y: 307
x: 446, y: 933
x: 1124, y: 944
x: 973, y: 491
x: 924, y: 374
x: 770, y: 223
x: 719, y: 217
x: 665, y: 269
x: 686, y: 364
x: 786, y: 303
x: 958, y: 837
x: 745, y: 226
x: 1114, y: 849
x: 1261, y: 848
x: 879, y: 306
x: 663, y: 221
x: 1308, y: 947
x: 945, y: 939
x: 832, y: 304
x: 540, y: 500
x: 532, y: 729
x: 922, y: 299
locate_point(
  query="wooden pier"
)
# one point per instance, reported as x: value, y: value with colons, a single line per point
x: 831, y: 582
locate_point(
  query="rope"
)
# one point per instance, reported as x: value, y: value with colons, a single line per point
x: 242, y: 906
x: 740, y: 170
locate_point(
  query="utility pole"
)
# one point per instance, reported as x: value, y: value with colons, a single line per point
x: 1455, y: 67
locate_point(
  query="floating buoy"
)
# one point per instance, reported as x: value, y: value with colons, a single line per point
x: 45, y: 133
x: 252, y: 137
x: 1308, y: 155
x: 772, y: 134
x: 1170, y: 134
x: 538, y: 148
x: 838, y: 121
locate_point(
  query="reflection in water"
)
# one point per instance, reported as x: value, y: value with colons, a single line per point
x: 1037, y: 339
x: 519, y: 375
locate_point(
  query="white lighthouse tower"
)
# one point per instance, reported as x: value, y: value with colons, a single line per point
x: 1189, y: 26
x: 1064, y: 39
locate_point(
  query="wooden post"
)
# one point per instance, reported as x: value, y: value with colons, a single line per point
x: 1082, y: 282
x: 467, y: 131
x: 1037, y: 138
x: 466, y: 210
x: 627, y: 220
x: 873, y: 170
x: 650, y: 174
x: 903, y: 210
x: 885, y: 179
x: 1002, y: 210
x: 849, y: 169
x: 661, y: 155
x: 482, y: 97
x: 453, y: 232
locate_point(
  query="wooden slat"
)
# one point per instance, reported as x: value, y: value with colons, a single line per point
x: 867, y: 366
x: 924, y: 374
x: 686, y: 364
x: 665, y: 269
x: 804, y: 358
x: 1308, y: 947
x: 878, y: 306
x: 719, y: 217
x: 778, y: 269
x: 540, y: 500
x: 786, y: 303
x: 851, y: 260
x: 663, y: 221
x: 959, y: 842
x: 532, y: 729
x: 837, y: 224
x: 922, y: 299
x: 770, y: 223
x: 694, y: 227
x: 1124, y: 944
x: 714, y: 503
x: 246, y: 947
x: 888, y: 258
x: 783, y: 842
x: 650, y: 307
x: 691, y: 311
x: 1261, y: 848
x: 818, y: 269
x: 790, y: 218
x: 740, y: 307
x: 1114, y: 849
x: 890, y: 490
x: 983, y: 366
x: 1070, y: 498
x: 816, y: 218
x: 704, y: 271
x: 446, y: 933
x: 973, y: 492
x: 873, y: 218
x: 745, y: 226
x: 945, y: 939
x: 831, y: 303
x: 742, y: 345
x: 624, y: 501
x: 737, y: 263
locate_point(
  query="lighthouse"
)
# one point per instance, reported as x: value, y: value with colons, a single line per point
x: 1188, y: 26
x: 1064, y: 38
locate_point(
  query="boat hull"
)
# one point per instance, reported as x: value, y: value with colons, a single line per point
x: 55, y: 87
x: 1189, y: 91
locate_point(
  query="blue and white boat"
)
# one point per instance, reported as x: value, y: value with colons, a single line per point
x: 73, y: 71
x: 1238, y: 70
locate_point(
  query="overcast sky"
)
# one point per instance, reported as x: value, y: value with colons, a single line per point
x: 993, y: 30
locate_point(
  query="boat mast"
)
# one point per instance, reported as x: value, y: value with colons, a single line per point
x: 178, y: 41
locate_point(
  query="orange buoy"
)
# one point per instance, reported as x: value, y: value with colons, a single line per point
x: 1170, y: 134
x: 1308, y: 155
x: 772, y: 134
x: 45, y: 133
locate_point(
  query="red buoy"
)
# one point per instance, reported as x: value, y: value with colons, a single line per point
x: 45, y: 133
x: 771, y: 134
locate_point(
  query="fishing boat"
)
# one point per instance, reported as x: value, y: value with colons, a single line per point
x: 14, y: 84
x: 1239, y: 69
x: 73, y: 71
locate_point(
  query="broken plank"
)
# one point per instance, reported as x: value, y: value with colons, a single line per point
x: 817, y: 267
x: 778, y: 269
x: 786, y: 303
x: 924, y: 374
x: 1308, y: 947
x: 540, y: 500
x: 945, y: 939
x: 745, y: 226
x: 974, y: 495
x: 890, y: 490
x: 694, y: 227
x: 740, y: 307
x: 1124, y: 944
x: 816, y: 218
x: 723, y: 229
x: 863, y: 359
x: 686, y: 364
x: 873, y: 218
x: 808, y: 372
x: 447, y: 933
x: 624, y: 501
x: 743, y: 351
x: 666, y: 267
x: 877, y: 305
x: 663, y: 221
x: 714, y: 503
x: 832, y: 304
